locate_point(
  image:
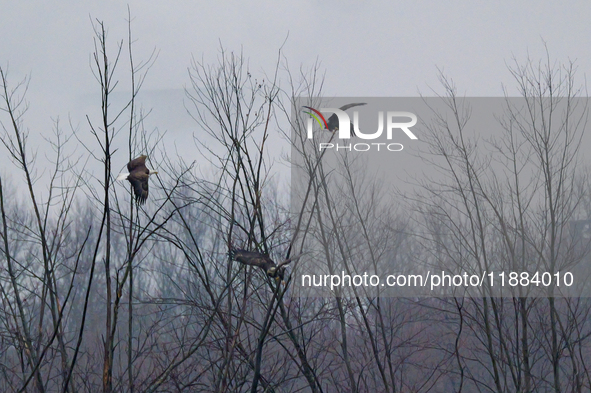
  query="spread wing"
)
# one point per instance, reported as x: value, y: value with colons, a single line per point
x: 252, y: 258
x: 139, y: 182
x: 289, y: 260
x: 137, y: 164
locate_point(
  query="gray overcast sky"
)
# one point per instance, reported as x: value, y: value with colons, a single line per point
x: 368, y: 48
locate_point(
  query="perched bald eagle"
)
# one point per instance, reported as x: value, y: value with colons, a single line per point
x: 138, y: 177
x: 254, y: 258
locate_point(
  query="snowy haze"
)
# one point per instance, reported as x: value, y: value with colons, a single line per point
x: 367, y: 48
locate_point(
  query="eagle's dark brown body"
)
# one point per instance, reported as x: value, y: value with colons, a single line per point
x: 138, y: 177
x: 253, y: 258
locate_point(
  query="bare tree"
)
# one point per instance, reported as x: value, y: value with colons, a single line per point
x: 510, y: 211
x: 100, y: 293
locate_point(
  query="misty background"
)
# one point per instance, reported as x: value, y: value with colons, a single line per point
x: 100, y: 293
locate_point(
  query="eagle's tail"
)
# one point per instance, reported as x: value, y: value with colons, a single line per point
x: 122, y: 176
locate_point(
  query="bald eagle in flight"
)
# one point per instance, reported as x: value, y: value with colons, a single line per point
x: 253, y: 258
x: 138, y: 177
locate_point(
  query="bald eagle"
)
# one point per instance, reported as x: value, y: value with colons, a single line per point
x: 254, y: 258
x: 138, y: 177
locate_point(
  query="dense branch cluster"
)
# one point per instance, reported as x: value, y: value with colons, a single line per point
x: 194, y: 289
